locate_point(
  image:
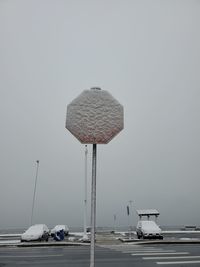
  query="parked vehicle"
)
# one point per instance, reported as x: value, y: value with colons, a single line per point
x: 37, y: 232
x: 57, y: 228
x: 148, y: 229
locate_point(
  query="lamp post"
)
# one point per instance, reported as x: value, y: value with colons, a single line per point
x: 34, y: 192
x: 94, y: 117
x: 115, y: 218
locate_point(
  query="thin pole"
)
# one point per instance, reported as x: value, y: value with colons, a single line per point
x: 131, y: 217
x: 93, y: 206
x: 115, y: 218
x: 131, y: 213
x: 85, y: 200
x: 129, y: 227
x: 33, y: 203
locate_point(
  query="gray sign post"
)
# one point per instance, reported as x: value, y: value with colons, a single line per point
x: 94, y: 117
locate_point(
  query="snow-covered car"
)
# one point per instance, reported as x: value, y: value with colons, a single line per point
x: 57, y: 228
x: 37, y: 232
x: 148, y: 229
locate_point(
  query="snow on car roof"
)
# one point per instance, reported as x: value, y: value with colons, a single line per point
x: 35, y: 228
x: 60, y: 226
x: 148, y: 212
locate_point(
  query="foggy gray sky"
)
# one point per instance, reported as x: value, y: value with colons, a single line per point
x: 146, y: 54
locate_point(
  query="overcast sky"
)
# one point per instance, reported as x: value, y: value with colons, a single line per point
x: 146, y: 54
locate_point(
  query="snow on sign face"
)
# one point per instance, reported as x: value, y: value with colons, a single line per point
x: 94, y: 117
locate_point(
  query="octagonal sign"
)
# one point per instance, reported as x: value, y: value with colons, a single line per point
x: 95, y: 117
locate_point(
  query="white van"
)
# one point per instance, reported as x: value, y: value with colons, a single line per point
x: 148, y: 229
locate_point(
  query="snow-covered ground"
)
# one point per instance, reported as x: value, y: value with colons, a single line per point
x: 10, y: 235
x: 9, y: 242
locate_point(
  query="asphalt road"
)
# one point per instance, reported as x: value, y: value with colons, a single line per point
x: 122, y: 255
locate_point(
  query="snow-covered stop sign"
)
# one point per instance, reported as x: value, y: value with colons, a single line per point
x: 95, y: 117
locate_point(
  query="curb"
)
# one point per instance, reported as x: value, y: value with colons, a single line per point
x: 40, y: 244
x: 50, y: 244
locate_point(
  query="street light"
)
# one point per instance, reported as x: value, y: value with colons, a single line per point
x: 94, y: 117
x: 115, y: 218
x: 33, y: 202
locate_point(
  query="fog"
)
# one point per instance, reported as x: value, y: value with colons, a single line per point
x: 146, y: 54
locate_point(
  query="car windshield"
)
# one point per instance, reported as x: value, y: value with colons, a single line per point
x: 149, y: 225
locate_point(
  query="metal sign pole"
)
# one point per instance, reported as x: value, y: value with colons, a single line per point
x: 93, y: 206
x: 85, y: 200
x: 94, y: 117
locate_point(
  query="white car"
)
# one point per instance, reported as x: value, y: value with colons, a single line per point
x: 148, y: 229
x: 58, y: 228
x: 37, y: 232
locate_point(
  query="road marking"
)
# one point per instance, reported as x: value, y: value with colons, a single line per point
x: 137, y: 249
x: 140, y: 249
x: 148, y: 251
x: 160, y: 253
x: 127, y: 248
x: 168, y: 258
x: 177, y: 262
x: 30, y: 256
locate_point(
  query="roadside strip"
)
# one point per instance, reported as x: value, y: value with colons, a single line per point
x: 177, y: 262
x: 42, y: 244
x: 49, y: 244
x: 164, y: 241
